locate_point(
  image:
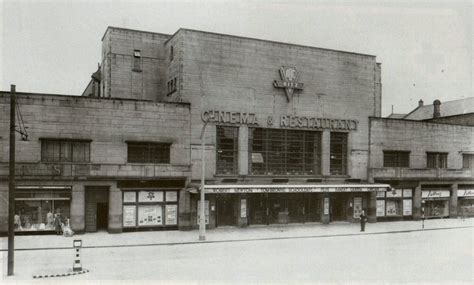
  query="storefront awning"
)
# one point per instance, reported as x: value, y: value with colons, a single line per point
x: 340, y: 188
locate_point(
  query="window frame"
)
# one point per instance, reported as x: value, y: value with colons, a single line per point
x: 69, y: 146
x: 436, y: 164
x: 234, y: 151
x: 398, y: 159
x: 149, y: 147
x: 344, y: 154
x: 137, y: 60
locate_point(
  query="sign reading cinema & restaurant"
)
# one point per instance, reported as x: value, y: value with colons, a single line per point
x: 286, y: 121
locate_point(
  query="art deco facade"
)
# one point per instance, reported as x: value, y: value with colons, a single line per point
x: 292, y: 134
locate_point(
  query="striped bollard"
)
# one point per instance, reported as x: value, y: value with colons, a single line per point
x: 77, y: 266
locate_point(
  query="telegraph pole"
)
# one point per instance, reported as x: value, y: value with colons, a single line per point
x: 11, y: 184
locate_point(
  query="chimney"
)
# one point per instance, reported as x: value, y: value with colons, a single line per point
x: 437, y: 108
x: 420, y: 103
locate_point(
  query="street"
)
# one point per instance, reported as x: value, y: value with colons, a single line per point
x: 444, y: 256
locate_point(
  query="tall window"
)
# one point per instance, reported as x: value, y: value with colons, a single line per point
x: 148, y: 152
x: 338, y: 165
x: 284, y: 152
x: 227, y: 150
x: 137, y: 56
x: 65, y: 150
x: 436, y: 160
x: 396, y: 158
x: 468, y: 160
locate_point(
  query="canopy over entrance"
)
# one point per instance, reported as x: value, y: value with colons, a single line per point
x: 304, y: 188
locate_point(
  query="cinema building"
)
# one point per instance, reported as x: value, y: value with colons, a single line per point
x: 291, y: 134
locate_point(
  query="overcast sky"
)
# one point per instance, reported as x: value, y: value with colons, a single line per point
x: 425, y: 47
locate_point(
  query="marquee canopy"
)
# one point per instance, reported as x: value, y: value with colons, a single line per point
x: 301, y: 188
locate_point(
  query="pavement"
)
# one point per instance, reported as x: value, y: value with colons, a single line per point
x: 229, y: 234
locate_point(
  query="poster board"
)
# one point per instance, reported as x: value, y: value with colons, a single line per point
x: 129, y: 216
x: 357, y: 207
x: 171, y: 217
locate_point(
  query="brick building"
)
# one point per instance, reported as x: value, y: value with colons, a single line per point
x: 291, y: 133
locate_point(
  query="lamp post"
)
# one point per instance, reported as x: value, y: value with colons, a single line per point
x: 202, y: 218
x: 11, y: 185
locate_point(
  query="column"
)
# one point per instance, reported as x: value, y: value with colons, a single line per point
x: 78, y: 208
x: 453, y: 201
x: 184, y: 211
x: 417, y: 203
x: 243, y: 155
x: 115, y: 209
x: 325, y: 152
x: 372, y: 207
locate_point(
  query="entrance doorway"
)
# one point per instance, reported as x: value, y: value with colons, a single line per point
x: 338, y: 207
x: 225, y: 210
x: 96, y: 208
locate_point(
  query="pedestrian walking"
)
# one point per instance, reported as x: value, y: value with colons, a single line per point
x: 363, y: 220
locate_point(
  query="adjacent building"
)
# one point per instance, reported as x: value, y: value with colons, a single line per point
x: 291, y: 134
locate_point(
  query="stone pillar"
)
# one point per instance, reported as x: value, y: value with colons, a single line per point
x: 372, y: 207
x: 417, y: 203
x: 325, y: 206
x: 243, y: 155
x: 325, y: 153
x: 453, y: 201
x: 3, y: 209
x: 115, y: 209
x: 184, y: 211
x: 78, y: 208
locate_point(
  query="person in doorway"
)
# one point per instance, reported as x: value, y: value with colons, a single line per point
x: 363, y: 220
x: 58, y: 224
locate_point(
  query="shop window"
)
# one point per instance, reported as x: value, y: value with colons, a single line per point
x: 65, y: 151
x: 150, y: 208
x: 36, y: 209
x: 284, y: 152
x: 226, y: 150
x: 148, y: 152
x: 436, y: 160
x: 394, y: 203
x: 396, y: 158
x: 468, y: 161
x: 137, y: 59
x: 338, y: 164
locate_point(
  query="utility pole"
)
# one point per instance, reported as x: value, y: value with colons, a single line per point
x: 202, y: 212
x: 11, y: 184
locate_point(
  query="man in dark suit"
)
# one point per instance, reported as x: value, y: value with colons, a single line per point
x: 363, y: 220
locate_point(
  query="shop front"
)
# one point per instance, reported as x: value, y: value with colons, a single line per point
x: 435, y: 203
x: 395, y: 205
x: 242, y: 205
x: 466, y: 201
x: 37, y: 208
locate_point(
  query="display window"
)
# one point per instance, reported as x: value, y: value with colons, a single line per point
x: 150, y: 208
x: 41, y: 209
x: 436, y: 208
x: 466, y: 207
x: 396, y: 203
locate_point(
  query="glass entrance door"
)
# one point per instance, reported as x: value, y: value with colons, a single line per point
x: 338, y: 207
x: 226, y: 209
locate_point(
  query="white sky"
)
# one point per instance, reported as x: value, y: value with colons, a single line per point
x: 425, y: 47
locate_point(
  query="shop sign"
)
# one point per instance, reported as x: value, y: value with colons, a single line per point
x: 407, y: 192
x: 407, y: 207
x: 357, y: 207
x: 129, y: 216
x: 380, y: 194
x: 171, y: 196
x: 129, y: 197
x: 289, y: 81
x: 394, y: 194
x: 466, y: 193
x: 243, y: 208
x: 293, y: 190
x: 380, y: 208
x: 286, y: 121
x: 150, y: 196
x: 434, y: 194
x: 206, y: 211
x: 150, y: 215
x: 171, y: 217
